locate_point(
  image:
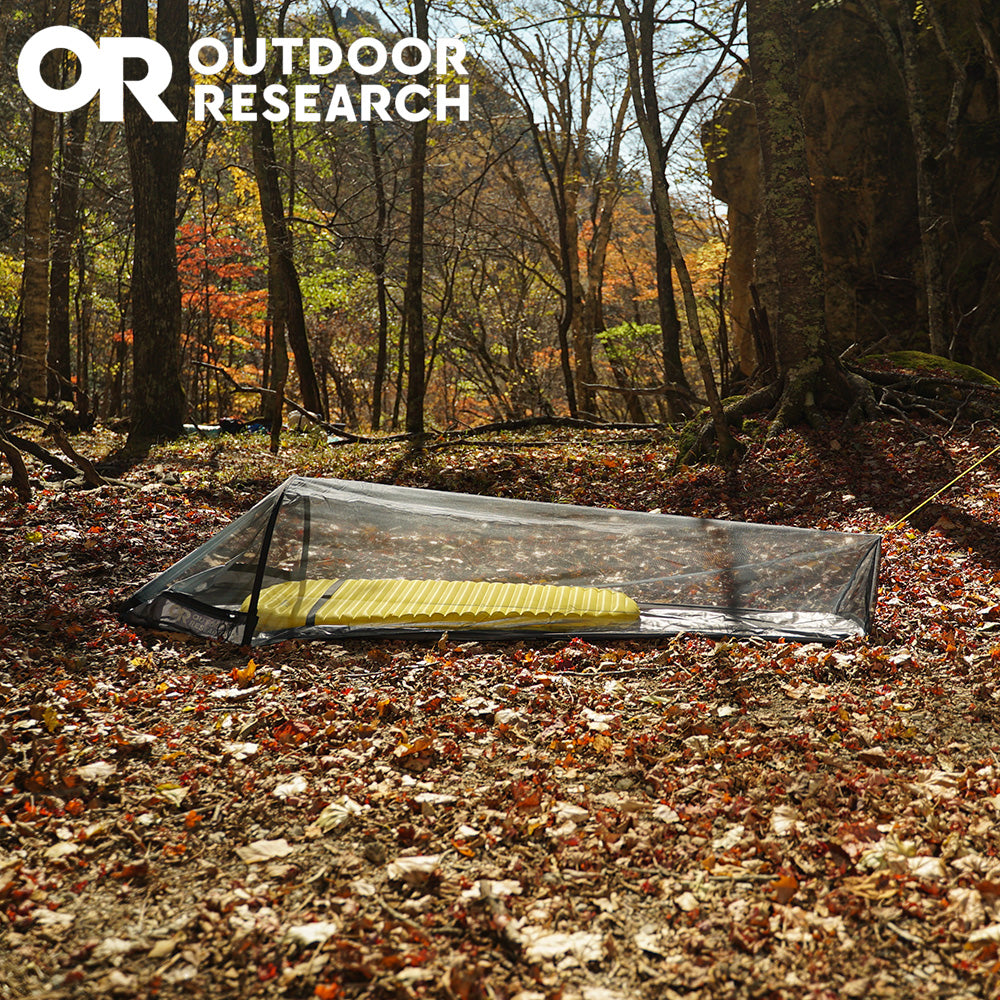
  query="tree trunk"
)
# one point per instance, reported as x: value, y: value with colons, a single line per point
x: 670, y: 327
x: 66, y: 200
x: 37, y: 209
x: 902, y: 50
x: 805, y: 359
x: 281, y: 259
x: 631, y: 399
x: 35, y: 283
x: 156, y: 153
x: 728, y: 445
x: 557, y: 252
x: 670, y: 324
x: 279, y: 370
x: 581, y: 335
x: 413, y: 303
x: 607, y: 193
x: 378, y: 268
x: 380, y: 249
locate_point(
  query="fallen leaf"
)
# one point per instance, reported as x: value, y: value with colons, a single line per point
x: 413, y: 870
x: 97, y: 771
x: 337, y: 816
x: 314, y: 933
x: 485, y: 888
x: 61, y: 850
x: 542, y: 944
x: 785, y: 821
x: 286, y: 789
x: 783, y: 888
x: 688, y: 902
x: 264, y: 850
x: 985, y: 935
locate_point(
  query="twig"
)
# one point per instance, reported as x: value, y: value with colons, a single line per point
x: 502, y: 920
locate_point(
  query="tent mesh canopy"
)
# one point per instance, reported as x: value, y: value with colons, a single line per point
x: 328, y: 558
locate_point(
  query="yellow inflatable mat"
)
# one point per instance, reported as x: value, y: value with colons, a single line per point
x: 439, y: 603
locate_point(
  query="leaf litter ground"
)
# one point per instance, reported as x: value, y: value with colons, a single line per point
x: 559, y: 821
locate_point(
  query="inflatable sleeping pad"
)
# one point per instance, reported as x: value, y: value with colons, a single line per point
x: 444, y: 603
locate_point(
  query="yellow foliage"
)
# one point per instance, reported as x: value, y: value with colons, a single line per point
x: 10, y: 277
x: 706, y: 263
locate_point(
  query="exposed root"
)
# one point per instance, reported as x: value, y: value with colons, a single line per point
x: 758, y: 401
x: 803, y: 395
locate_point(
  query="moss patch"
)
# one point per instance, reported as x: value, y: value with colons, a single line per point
x: 919, y: 361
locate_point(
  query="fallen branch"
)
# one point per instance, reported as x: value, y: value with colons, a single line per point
x: 528, y: 422
x: 515, y: 445
x: 26, y: 418
x: 43, y: 455
x: 665, y: 389
x: 90, y: 474
x: 347, y: 437
x: 261, y: 391
x: 525, y: 423
x: 82, y: 464
x: 19, y: 472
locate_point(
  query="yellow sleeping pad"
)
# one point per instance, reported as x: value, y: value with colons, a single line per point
x: 439, y: 603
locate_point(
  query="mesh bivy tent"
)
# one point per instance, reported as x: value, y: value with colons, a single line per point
x: 329, y: 558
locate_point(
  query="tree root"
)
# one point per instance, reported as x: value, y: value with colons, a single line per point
x: 754, y: 402
x: 807, y: 395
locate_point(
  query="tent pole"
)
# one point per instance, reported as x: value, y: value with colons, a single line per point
x: 265, y: 547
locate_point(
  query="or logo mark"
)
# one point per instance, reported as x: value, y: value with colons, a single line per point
x: 102, y: 70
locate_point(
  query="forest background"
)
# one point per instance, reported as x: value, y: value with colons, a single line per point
x: 562, y: 252
x: 536, y: 234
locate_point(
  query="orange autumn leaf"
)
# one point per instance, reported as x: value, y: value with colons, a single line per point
x: 784, y: 888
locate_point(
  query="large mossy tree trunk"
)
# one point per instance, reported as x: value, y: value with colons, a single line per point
x: 156, y: 154
x: 901, y: 46
x: 809, y: 372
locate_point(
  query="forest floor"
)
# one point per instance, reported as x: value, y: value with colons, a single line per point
x: 486, y: 821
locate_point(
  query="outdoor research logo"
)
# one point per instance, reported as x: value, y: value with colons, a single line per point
x: 102, y: 71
